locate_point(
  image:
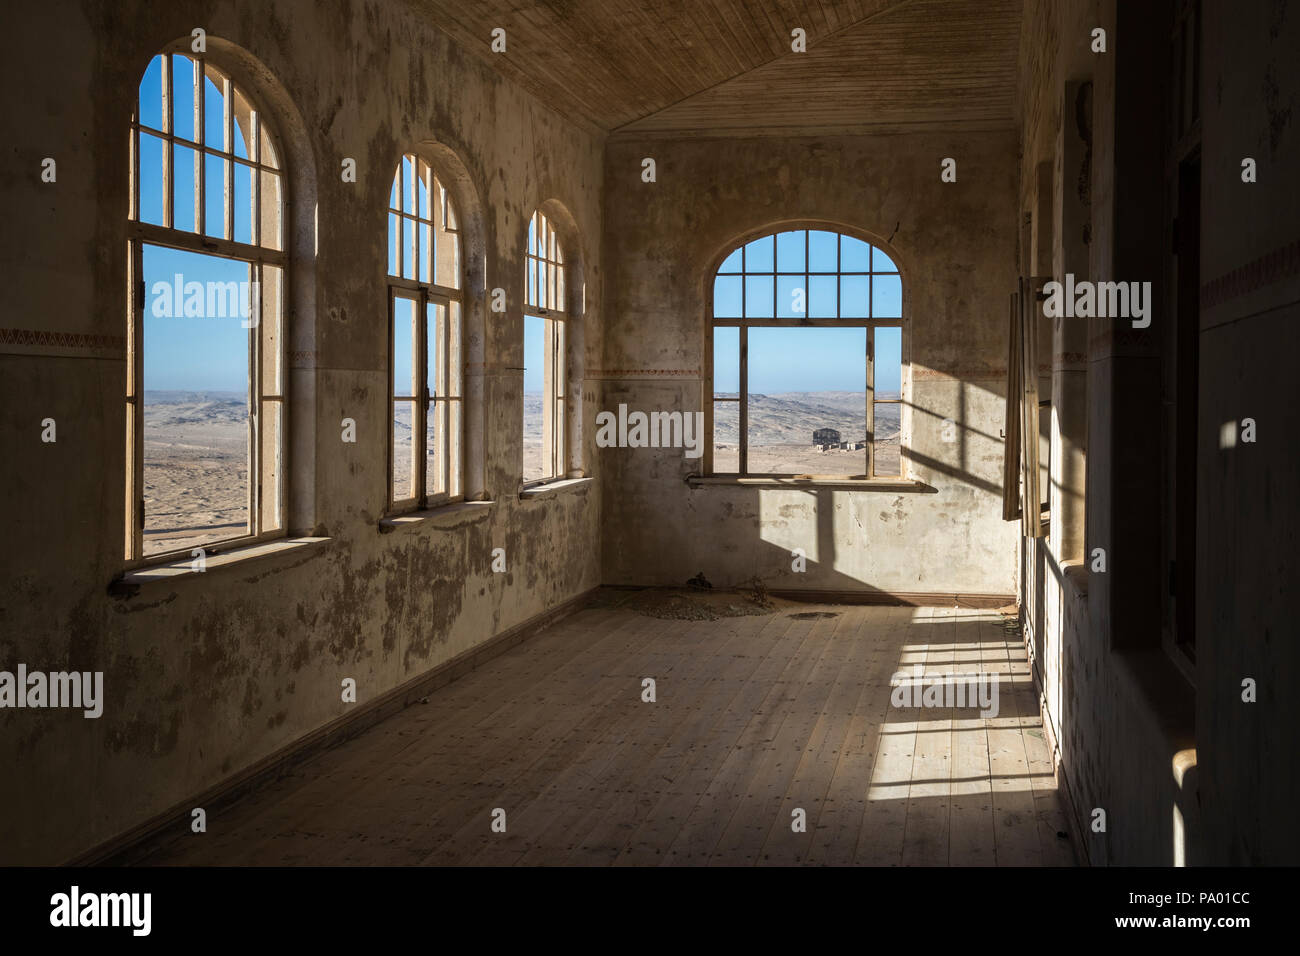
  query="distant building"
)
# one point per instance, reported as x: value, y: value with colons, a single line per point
x: 826, y: 436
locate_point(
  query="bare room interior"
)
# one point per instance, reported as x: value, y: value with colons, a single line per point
x: 613, y: 432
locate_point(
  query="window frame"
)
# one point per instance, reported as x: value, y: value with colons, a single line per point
x: 258, y: 257
x: 869, y: 324
x: 425, y: 294
x: 555, y: 318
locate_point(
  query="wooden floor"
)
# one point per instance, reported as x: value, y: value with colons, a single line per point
x: 755, y: 717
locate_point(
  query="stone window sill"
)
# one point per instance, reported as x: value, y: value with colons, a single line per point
x: 283, y: 549
x: 554, y: 488
x: 444, y: 516
x: 775, y: 481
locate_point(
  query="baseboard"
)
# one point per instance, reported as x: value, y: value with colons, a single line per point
x: 903, y: 598
x: 135, y: 844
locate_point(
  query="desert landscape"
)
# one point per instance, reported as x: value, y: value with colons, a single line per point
x: 195, y: 468
x: 196, y: 453
x: 780, y: 434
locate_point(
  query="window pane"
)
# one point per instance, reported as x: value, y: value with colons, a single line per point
x: 265, y: 148
x: 731, y: 263
x: 855, y: 255
x: 214, y: 196
x: 270, y: 235
x: 855, y: 297
x: 807, y: 388
x: 790, y: 251
x: 447, y: 264
x: 530, y: 292
x: 435, y: 319
x: 196, y: 388
x: 408, y: 185
x: 151, y: 179
x: 822, y: 296
x: 214, y: 115
x: 270, y: 429
x: 726, y: 361
x: 404, y: 346
x: 403, y: 451
x: 454, y: 407
x: 881, y: 262
x: 426, y: 238
x: 151, y: 95
x: 726, y: 297
x: 889, y: 362
x: 408, y: 248
x: 726, y: 438
x: 791, y: 297
x: 243, y: 204
x: 888, y: 461
x: 394, y: 194
x: 270, y: 319
x: 758, y: 296
x: 759, y: 255
x: 433, y: 373
x: 184, y: 188
x: 532, y: 235
x: 242, y: 121
x: 183, y: 96
x: 537, y: 462
x: 886, y: 297
x: 822, y: 248
x: 393, y: 227
x: 425, y: 204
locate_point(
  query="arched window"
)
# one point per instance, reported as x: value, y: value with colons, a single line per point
x: 205, y: 378
x: 806, y: 358
x: 545, y: 368
x: 425, y: 306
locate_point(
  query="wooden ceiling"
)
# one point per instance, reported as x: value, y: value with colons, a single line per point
x: 710, y: 67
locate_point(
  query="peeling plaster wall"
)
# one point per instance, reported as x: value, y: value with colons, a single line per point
x: 1114, y: 705
x: 206, y: 676
x: 954, y: 242
x: 1120, y: 711
x: 1248, y: 530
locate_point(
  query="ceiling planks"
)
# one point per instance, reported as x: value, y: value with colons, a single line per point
x: 610, y: 62
x: 725, y: 67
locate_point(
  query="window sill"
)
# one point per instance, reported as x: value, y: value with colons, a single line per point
x: 775, y: 481
x: 131, y: 581
x: 551, y: 489
x: 444, y: 516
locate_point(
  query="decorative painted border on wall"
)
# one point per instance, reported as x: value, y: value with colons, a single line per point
x: 1282, y: 263
x: 68, y: 344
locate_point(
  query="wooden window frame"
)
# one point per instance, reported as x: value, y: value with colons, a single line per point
x: 446, y: 400
x: 869, y: 324
x: 267, y: 509
x: 546, y: 288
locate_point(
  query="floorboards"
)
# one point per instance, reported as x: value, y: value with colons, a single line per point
x: 773, y: 739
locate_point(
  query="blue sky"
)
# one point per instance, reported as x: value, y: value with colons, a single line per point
x: 193, y: 354
x: 534, y: 354
x: 212, y: 353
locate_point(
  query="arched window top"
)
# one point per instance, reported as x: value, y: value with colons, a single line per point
x: 546, y: 268
x: 207, y: 161
x: 423, y: 229
x: 805, y: 274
